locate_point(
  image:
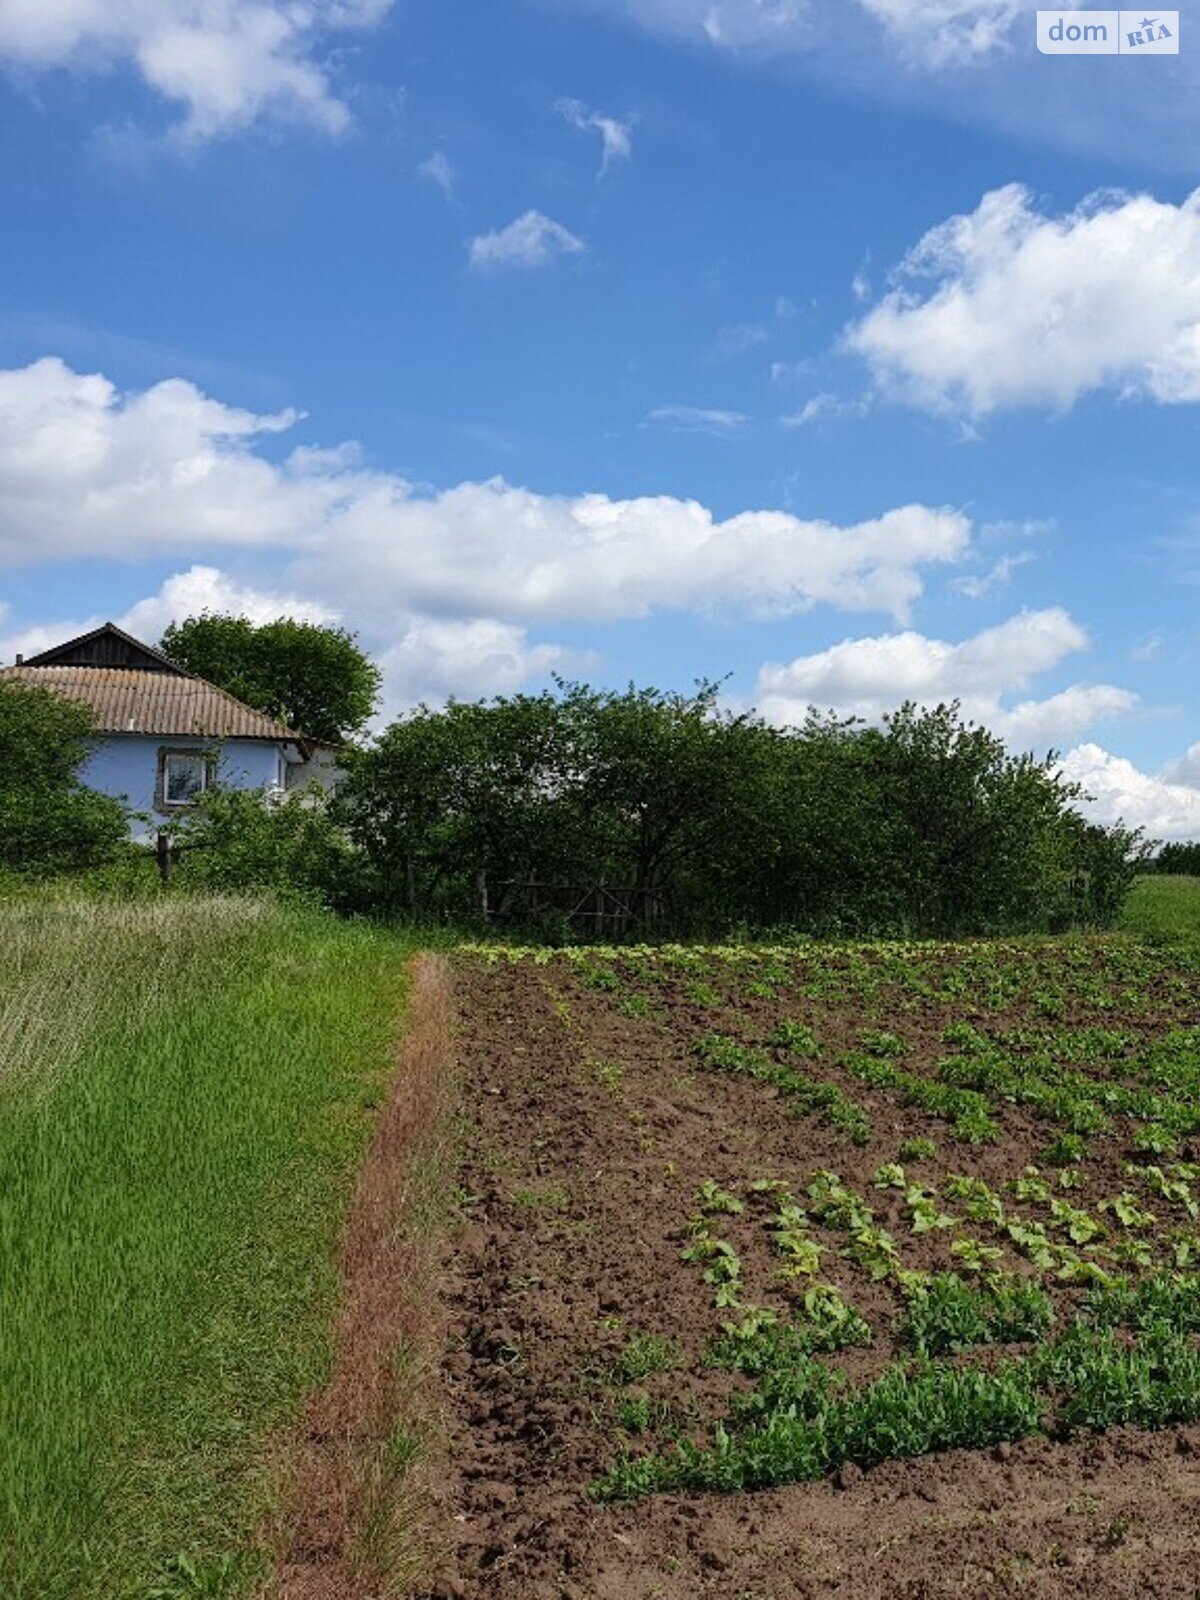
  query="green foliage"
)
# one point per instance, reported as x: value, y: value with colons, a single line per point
x: 806, y: 1426
x: 646, y: 1353
x: 1153, y: 1384
x: 718, y: 821
x: 946, y: 1314
x: 796, y: 1039
x: 1176, y: 860
x: 310, y: 676
x: 1169, y: 1301
x: 49, y: 822
x: 1067, y: 1149
x: 237, y: 839
x: 826, y: 1324
x: 965, y: 1109
x: 807, y: 1094
x: 918, y: 1149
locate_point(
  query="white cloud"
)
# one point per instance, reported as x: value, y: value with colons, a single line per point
x: 87, y: 471
x: 439, y: 660
x: 734, y: 24
x: 1029, y: 309
x: 1187, y: 769
x: 436, y: 169
x: 697, y: 419
x: 976, y: 585
x: 1147, y: 649
x: 1164, y: 807
x: 225, y: 63
x: 869, y: 677
x: 533, y: 240
x: 616, y: 137
x: 822, y: 407
x: 1007, y: 529
x: 928, y: 33
x: 422, y: 659
x: 947, y: 33
x: 186, y: 594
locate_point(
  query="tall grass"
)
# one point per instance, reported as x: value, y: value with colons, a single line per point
x: 1163, y: 905
x: 185, y: 1090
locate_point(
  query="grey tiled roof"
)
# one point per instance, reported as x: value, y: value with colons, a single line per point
x: 160, y: 703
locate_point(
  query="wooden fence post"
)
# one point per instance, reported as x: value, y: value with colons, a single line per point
x: 162, y: 853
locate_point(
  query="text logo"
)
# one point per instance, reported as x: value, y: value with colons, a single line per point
x: 1108, y: 33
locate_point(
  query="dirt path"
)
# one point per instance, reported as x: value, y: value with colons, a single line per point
x: 361, y: 1468
x: 586, y: 1137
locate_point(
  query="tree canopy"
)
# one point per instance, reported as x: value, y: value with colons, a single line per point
x: 709, y: 821
x: 49, y: 822
x: 311, y: 676
x: 1178, y: 858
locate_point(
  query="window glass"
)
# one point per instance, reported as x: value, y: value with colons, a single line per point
x: 184, y: 778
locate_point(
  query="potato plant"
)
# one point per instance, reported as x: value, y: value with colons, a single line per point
x: 982, y: 1194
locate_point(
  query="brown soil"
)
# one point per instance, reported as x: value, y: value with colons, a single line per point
x: 359, y: 1470
x: 589, y: 1132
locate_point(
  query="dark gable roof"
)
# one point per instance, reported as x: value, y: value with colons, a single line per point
x: 108, y: 646
x: 133, y: 688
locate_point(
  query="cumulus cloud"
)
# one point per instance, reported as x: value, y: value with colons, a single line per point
x: 1120, y: 792
x: 616, y: 137
x: 533, y: 240
x: 225, y: 63
x: 1187, y: 769
x: 869, y: 677
x: 185, y: 594
x: 422, y: 659
x: 88, y: 471
x: 1027, y: 309
x: 437, y: 660
x: 491, y: 549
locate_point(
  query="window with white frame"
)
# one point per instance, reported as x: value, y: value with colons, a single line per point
x: 184, y: 775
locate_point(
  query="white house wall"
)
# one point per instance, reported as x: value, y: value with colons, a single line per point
x: 125, y: 766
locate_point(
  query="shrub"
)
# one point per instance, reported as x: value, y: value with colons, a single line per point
x: 240, y: 839
x: 49, y: 822
x: 718, y: 822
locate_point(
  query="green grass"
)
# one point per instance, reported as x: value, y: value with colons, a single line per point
x: 1163, y: 905
x: 186, y: 1088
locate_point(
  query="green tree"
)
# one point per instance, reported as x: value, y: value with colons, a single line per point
x: 449, y: 802
x: 49, y: 822
x: 927, y: 825
x: 312, y: 677
x: 1178, y: 858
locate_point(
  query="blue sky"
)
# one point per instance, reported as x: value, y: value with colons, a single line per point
x: 851, y: 352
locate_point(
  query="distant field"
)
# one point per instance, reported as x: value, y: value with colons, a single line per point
x: 186, y: 1089
x: 1163, y: 905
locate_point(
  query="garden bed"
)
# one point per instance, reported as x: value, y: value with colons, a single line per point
x: 903, y: 1239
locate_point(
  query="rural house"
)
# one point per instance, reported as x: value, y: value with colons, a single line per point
x: 164, y: 736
